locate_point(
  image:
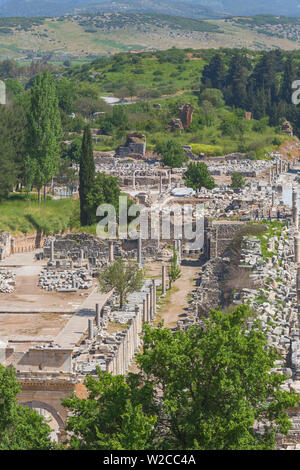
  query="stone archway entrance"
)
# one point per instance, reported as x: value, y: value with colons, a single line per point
x: 37, y: 405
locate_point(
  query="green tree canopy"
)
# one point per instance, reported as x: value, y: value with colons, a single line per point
x: 213, y: 96
x: 174, y: 269
x: 204, y: 388
x: 20, y: 427
x: 172, y: 153
x: 197, y: 176
x: 105, y: 189
x: 115, y: 415
x: 123, y: 276
x: 237, y: 180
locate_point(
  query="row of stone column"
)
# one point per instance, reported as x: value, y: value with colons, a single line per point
x: 131, y: 338
x: 160, y: 182
x: 295, y: 216
x: 281, y: 166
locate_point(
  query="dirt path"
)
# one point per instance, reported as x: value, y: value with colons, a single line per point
x: 176, y: 300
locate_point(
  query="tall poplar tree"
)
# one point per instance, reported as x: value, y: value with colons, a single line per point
x: 86, y: 176
x: 43, y: 131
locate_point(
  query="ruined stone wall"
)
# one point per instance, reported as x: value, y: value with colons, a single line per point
x: 27, y: 243
x: 218, y: 236
x: 10, y: 245
x: 38, y: 359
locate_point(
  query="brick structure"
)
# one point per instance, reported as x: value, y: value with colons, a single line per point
x: 135, y: 145
x: 186, y: 115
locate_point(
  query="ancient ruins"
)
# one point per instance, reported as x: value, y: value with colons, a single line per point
x: 56, y: 327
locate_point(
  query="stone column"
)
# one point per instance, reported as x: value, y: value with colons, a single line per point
x: 133, y: 180
x: 144, y: 310
x: 273, y: 199
x: 297, y: 248
x: 160, y: 185
x: 139, y: 250
x: 111, y: 251
x: 270, y: 177
x: 108, y: 368
x: 91, y: 329
x: 170, y: 180
x: 280, y: 166
x: 154, y: 296
x: 52, y: 251
x: 98, y: 315
x: 151, y: 302
x: 148, y: 307
x: 198, y: 311
x: 272, y: 171
x: 163, y: 279
x: 295, y: 207
x: 179, y: 245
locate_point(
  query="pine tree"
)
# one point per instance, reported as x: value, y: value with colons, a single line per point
x: 236, y: 81
x: 86, y: 176
x: 214, y: 73
x: 43, y: 130
x: 289, y: 75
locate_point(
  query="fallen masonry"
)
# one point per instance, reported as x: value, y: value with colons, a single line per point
x: 7, y: 281
x: 66, y: 280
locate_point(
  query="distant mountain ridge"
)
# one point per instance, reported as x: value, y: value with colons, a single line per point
x: 186, y: 8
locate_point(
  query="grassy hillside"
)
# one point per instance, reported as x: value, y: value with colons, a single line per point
x: 108, y: 33
x: 20, y: 216
x: 171, y: 79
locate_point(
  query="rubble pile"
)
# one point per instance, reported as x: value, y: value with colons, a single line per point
x: 208, y: 295
x: 65, y: 281
x: 225, y: 203
x: 7, y: 282
x: 275, y: 300
x: 250, y: 168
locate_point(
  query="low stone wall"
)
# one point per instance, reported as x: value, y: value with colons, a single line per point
x: 10, y: 245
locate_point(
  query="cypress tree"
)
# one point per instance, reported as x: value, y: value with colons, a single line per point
x: 86, y: 176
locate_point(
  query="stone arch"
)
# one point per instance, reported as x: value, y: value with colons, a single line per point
x: 47, y: 407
